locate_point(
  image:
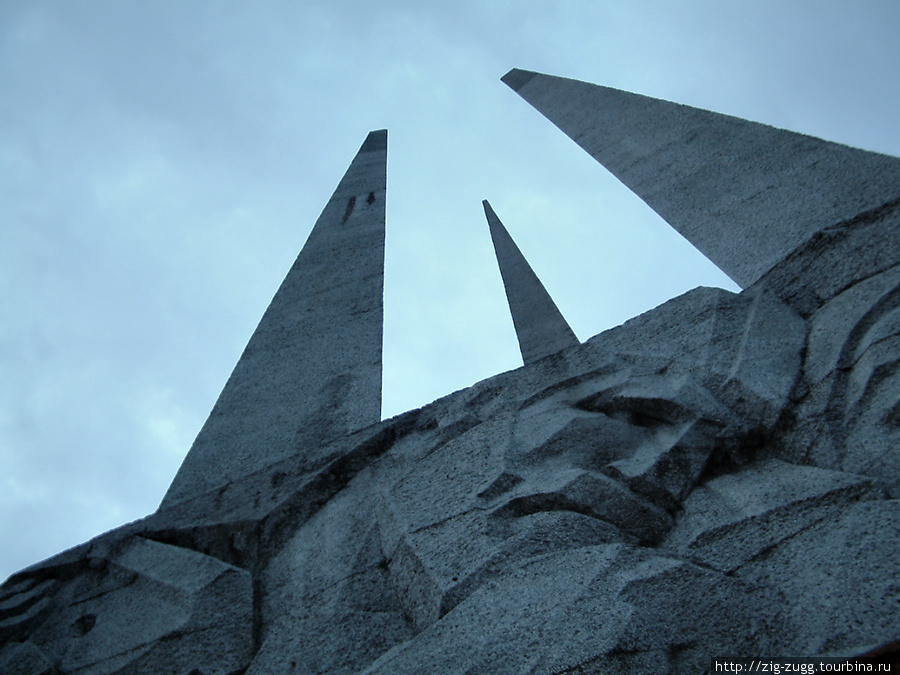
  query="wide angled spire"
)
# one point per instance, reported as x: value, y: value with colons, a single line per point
x: 312, y: 369
x: 540, y: 327
x: 745, y: 194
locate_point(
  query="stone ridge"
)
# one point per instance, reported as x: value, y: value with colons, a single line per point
x: 311, y: 372
x: 745, y: 194
x: 540, y: 327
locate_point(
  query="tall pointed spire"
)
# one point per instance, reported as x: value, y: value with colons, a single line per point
x: 745, y: 194
x: 540, y: 327
x: 312, y: 369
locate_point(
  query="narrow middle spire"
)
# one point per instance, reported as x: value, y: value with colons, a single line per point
x: 312, y: 369
x: 745, y: 194
x: 540, y: 327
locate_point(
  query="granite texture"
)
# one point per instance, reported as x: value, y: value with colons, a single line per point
x: 715, y: 477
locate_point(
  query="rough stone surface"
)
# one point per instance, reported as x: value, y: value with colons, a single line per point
x: 716, y: 477
x: 312, y: 370
x: 540, y: 328
x: 849, y: 416
x: 734, y: 518
x: 745, y: 194
x: 17, y: 658
x: 840, y: 577
x: 141, y: 607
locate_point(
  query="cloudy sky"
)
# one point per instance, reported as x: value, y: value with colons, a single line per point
x: 161, y: 164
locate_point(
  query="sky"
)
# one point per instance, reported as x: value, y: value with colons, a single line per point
x: 162, y: 163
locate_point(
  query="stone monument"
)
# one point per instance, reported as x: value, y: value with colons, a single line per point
x: 716, y: 477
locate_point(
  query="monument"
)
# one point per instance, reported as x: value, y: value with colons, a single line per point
x: 716, y: 477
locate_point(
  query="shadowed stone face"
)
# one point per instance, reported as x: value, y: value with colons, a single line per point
x: 138, y: 606
x: 851, y: 415
x: 651, y: 435
x: 602, y: 458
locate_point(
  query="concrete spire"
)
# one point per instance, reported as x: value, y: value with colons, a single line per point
x: 745, y: 194
x: 312, y: 369
x: 540, y: 327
